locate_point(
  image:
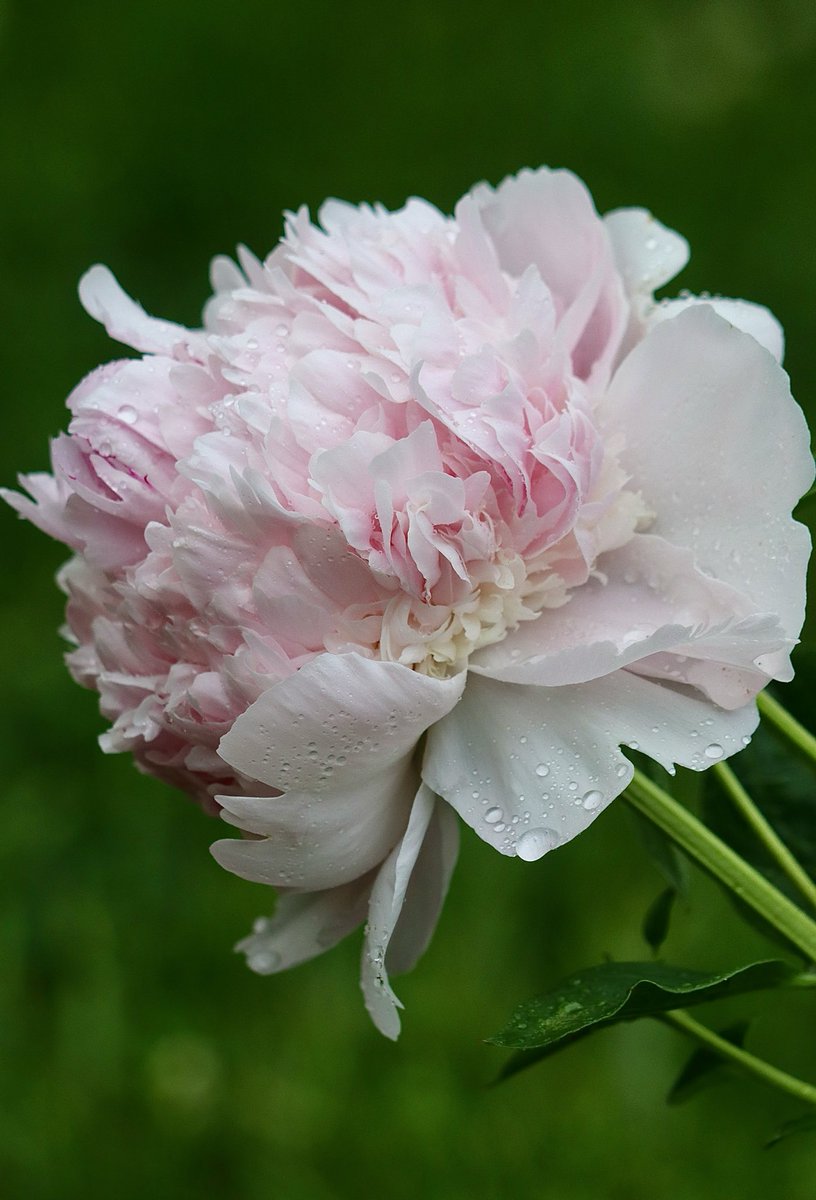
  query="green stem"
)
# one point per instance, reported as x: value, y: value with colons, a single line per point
x: 787, y: 725
x: 723, y: 863
x: 766, y: 833
x: 748, y: 1062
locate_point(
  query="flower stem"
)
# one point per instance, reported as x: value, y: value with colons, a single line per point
x: 735, y: 1054
x: 787, y: 725
x: 766, y: 833
x: 723, y: 863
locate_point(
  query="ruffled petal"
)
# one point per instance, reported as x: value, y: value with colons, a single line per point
x: 530, y: 767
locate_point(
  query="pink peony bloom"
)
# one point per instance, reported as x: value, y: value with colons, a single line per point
x: 431, y: 517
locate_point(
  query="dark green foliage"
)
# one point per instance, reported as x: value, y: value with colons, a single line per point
x: 705, y: 1068
x: 803, y: 1124
x: 611, y: 992
x: 658, y: 918
x: 783, y: 785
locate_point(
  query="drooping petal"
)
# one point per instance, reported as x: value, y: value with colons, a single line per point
x: 387, y: 897
x: 305, y: 925
x: 426, y: 891
x: 696, y: 401
x: 340, y: 720
x: 530, y: 767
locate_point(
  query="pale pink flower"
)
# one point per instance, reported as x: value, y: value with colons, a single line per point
x: 431, y: 517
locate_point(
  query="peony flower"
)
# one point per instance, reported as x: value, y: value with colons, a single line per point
x: 431, y: 518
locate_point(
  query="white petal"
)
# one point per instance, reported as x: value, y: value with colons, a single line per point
x: 304, y: 926
x: 753, y: 319
x: 426, y: 890
x: 321, y: 841
x: 339, y: 720
x: 104, y: 299
x: 387, y: 897
x: 720, y: 452
x: 530, y: 767
x: 651, y: 599
x: 647, y: 253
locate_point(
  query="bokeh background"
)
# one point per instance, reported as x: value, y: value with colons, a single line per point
x: 138, y: 1056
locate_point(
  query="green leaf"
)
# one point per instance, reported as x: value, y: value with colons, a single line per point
x: 658, y: 918
x: 611, y: 992
x: 706, y: 1068
x: 804, y: 1124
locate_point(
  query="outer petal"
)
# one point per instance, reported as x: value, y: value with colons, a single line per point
x: 321, y: 841
x: 754, y: 319
x: 340, y: 720
x: 304, y: 926
x: 647, y: 253
x: 387, y: 898
x: 531, y: 767
x: 649, y: 598
x: 426, y: 890
x: 125, y: 320
x: 697, y: 391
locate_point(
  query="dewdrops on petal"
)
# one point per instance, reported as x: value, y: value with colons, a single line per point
x: 455, y: 483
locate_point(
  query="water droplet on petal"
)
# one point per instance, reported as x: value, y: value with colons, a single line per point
x: 493, y: 815
x: 714, y: 751
x: 263, y: 961
x: 542, y: 769
x: 592, y: 800
x: 535, y: 843
x: 128, y: 414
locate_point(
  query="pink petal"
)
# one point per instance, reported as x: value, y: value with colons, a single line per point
x: 646, y: 253
x: 125, y: 320
x: 753, y: 319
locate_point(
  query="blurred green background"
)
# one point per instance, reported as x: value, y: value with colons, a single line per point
x: 137, y: 1055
